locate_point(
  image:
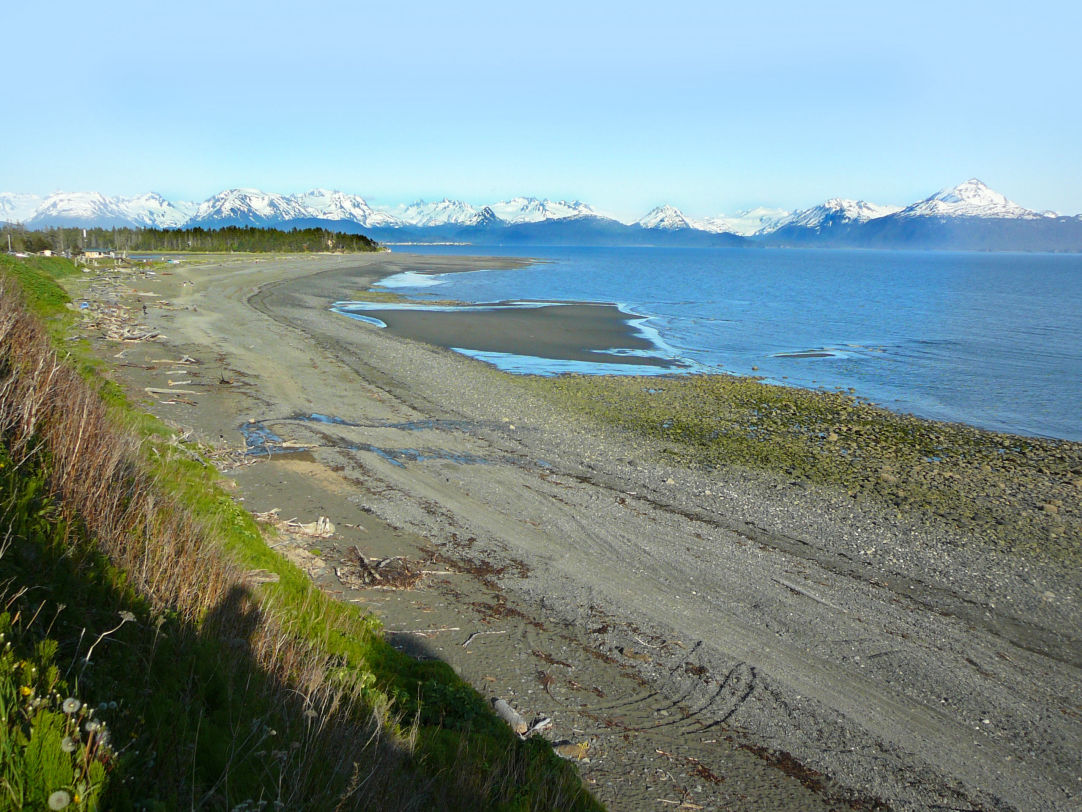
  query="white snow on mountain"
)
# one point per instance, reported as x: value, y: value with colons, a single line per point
x: 485, y: 217
x: 151, y: 210
x: 84, y: 208
x: 760, y: 220
x: 532, y: 210
x: 970, y: 199
x: 323, y: 204
x: 835, y: 210
x: 667, y: 218
x: 441, y: 213
x: 249, y: 206
x: 16, y: 207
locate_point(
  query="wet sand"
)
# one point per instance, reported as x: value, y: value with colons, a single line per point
x: 571, y: 332
x: 718, y: 640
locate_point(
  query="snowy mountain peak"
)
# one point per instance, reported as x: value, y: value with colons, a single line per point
x: 249, y: 207
x: 835, y: 211
x: 969, y: 199
x: 972, y: 192
x: 666, y: 218
x: 327, y: 204
x: 486, y: 217
x: 154, y: 211
x: 532, y: 210
x: 76, y: 204
x: 79, y: 209
x: 445, y: 212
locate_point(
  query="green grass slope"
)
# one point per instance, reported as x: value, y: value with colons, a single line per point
x: 145, y: 663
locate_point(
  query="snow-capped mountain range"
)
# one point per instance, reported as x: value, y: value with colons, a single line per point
x: 837, y: 221
x: 93, y: 208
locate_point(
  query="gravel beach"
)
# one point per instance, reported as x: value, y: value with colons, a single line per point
x: 716, y: 639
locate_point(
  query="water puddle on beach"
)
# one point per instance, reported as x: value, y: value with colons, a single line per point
x: 260, y: 440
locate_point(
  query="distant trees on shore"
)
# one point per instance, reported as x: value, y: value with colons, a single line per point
x: 77, y: 241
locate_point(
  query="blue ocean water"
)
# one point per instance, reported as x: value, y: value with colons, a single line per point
x: 993, y: 340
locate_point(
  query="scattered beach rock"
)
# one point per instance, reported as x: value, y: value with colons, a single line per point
x: 572, y: 750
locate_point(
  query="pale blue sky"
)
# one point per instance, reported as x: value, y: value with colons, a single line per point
x: 709, y: 106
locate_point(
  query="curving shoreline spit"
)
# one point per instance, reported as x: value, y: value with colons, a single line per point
x: 704, y: 625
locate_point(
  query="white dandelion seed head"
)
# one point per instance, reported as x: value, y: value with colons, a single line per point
x: 71, y: 705
x: 59, y: 799
x: 68, y: 744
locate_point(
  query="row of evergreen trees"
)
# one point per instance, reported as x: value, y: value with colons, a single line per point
x: 76, y: 241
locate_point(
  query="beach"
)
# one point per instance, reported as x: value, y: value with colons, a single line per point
x: 705, y: 637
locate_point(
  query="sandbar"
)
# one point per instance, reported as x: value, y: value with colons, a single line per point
x: 571, y: 332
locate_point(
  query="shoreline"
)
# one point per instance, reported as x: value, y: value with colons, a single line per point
x: 687, y: 605
x: 605, y: 334
x: 886, y: 366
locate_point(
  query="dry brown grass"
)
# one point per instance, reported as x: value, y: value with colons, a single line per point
x: 96, y: 476
x: 340, y: 744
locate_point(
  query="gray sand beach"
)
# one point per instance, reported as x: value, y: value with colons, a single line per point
x: 701, y: 639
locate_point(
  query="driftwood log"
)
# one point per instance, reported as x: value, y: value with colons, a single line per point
x: 510, y: 715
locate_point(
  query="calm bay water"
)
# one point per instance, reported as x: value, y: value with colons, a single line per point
x: 994, y: 340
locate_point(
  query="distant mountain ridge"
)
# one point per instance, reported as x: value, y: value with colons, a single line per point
x: 969, y: 216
